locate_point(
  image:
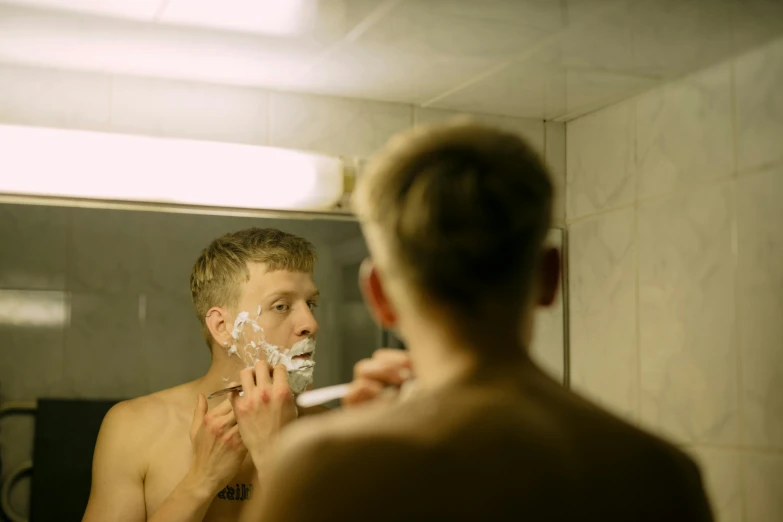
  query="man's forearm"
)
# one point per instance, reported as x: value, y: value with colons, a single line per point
x: 189, y: 502
x: 251, y: 511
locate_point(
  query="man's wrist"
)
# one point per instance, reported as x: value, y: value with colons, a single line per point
x: 259, y: 458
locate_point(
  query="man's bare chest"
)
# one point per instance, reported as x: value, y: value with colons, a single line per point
x: 168, y: 465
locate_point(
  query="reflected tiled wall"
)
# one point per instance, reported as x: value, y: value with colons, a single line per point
x: 674, y: 208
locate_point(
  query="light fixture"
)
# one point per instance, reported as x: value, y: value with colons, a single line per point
x: 37, y: 161
x: 33, y: 308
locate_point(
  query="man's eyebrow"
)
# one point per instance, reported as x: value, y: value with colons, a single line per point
x: 290, y: 294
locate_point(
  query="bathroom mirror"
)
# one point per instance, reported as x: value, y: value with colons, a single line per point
x: 95, y: 306
x: 95, y: 303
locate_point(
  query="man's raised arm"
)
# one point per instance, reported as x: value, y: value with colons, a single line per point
x: 117, y: 493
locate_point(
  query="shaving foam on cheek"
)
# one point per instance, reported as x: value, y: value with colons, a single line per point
x: 254, y: 347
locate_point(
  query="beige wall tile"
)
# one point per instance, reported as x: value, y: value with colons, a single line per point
x: 687, y: 324
x: 599, y: 161
x: 603, y: 310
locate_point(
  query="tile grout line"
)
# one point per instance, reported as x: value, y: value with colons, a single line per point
x: 740, y: 448
x: 597, y: 214
x: 544, y: 146
x: 637, y: 299
x: 688, y: 189
x: 521, y: 57
x: 736, y: 282
x: 759, y: 169
x: 691, y: 189
x: 364, y: 25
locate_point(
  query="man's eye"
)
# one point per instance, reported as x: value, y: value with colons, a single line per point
x: 312, y: 305
x: 280, y: 308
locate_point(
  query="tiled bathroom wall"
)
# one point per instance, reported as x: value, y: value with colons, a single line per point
x: 121, y: 277
x: 674, y: 207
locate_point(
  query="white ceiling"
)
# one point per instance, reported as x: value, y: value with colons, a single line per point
x: 551, y: 59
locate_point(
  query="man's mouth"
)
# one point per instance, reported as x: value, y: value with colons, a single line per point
x: 304, y: 356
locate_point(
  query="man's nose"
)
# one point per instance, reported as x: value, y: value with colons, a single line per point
x: 307, y: 326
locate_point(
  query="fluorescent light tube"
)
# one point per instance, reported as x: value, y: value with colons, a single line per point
x: 32, y: 308
x: 81, y: 164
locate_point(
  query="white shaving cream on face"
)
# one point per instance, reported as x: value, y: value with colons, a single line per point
x: 254, y: 347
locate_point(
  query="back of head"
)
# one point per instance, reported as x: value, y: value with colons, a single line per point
x: 222, y: 267
x: 460, y: 213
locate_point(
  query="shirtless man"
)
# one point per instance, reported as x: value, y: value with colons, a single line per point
x: 165, y: 456
x: 455, y: 219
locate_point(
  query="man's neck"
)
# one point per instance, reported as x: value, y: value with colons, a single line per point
x: 441, y: 356
x: 220, y: 369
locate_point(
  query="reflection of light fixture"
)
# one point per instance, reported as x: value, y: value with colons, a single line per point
x: 80, y: 164
x: 33, y: 308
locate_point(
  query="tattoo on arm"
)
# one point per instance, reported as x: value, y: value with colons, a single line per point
x: 236, y: 492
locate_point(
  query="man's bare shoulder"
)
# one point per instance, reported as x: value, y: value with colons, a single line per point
x: 138, y: 417
x: 511, y: 426
x: 356, y: 439
x: 356, y: 451
x: 418, y: 444
x: 378, y: 429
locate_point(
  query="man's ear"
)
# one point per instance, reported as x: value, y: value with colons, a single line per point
x: 375, y: 296
x: 550, y: 277
x: 217, y: 322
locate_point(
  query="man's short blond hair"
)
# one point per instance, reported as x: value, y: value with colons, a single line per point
x: 221, y: 268
x: 462, y: 211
